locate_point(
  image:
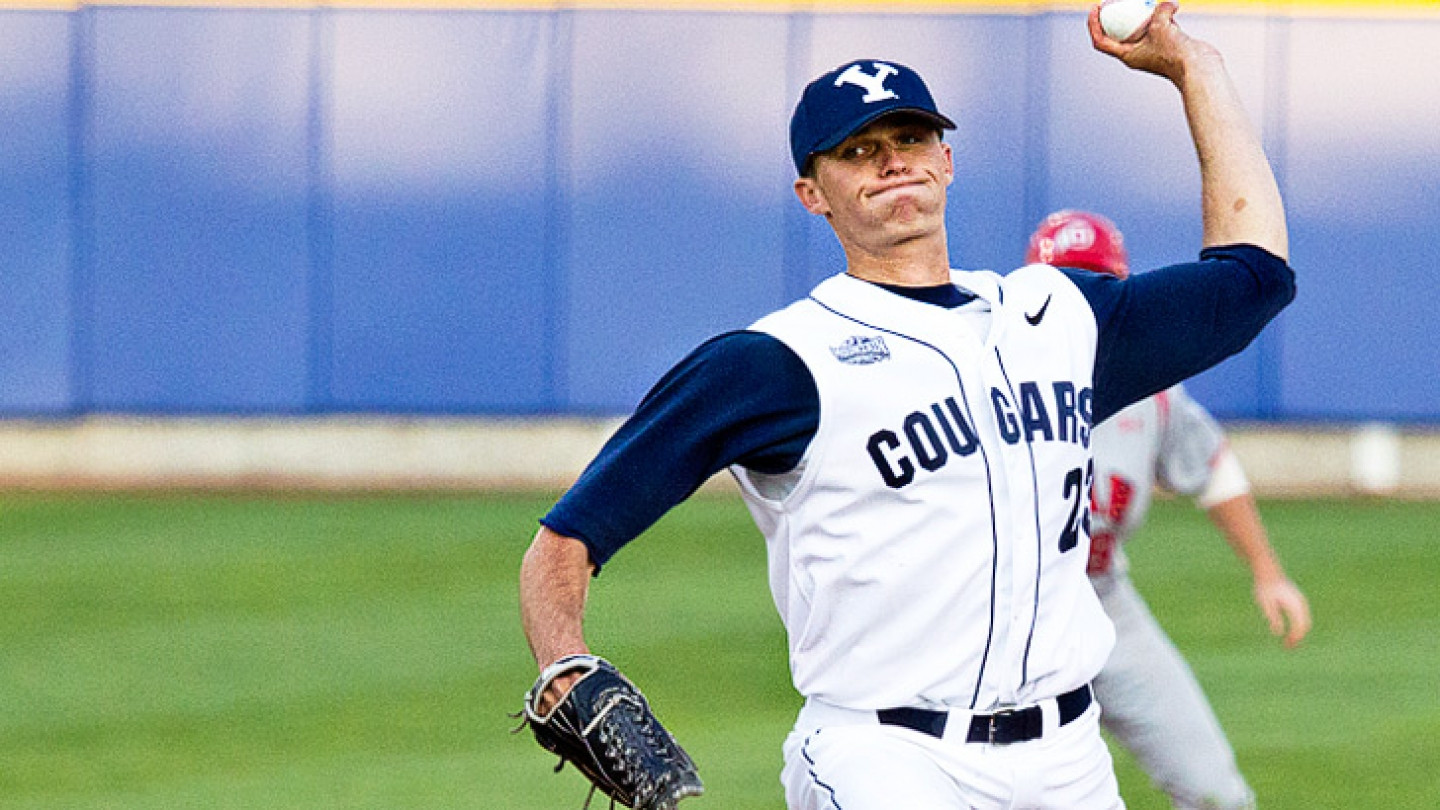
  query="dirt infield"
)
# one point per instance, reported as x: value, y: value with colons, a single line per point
x: 399, y: 453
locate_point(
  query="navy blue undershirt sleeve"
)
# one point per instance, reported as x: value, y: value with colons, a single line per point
x: 1161, y: 327
x: 740, y: 398
x: 745, y: 398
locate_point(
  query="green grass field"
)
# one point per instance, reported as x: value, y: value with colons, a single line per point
x: 224, y: 651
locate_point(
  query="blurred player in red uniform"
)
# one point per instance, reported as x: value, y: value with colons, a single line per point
x: 1152, y: 702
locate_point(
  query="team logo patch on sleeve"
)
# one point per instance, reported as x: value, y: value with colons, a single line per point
x: 861, y: 351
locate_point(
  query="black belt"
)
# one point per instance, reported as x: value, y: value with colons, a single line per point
x: 1009, y: 726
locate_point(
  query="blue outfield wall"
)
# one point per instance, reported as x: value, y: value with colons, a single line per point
x: 510, y: 211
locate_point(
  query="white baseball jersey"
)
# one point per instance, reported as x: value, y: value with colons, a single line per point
x: 930, y: 548
x: 1167, y: 439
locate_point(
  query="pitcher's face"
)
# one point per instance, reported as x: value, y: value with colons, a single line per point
x: 886, y: 184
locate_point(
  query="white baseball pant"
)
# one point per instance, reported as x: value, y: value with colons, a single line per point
x: 1155, y: 708
x: 842, y: 759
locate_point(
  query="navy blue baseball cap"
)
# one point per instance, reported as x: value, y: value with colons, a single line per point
x: 850, y: 98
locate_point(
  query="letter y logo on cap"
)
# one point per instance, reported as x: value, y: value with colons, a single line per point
x: 829, y: 111
x: 874, y: 86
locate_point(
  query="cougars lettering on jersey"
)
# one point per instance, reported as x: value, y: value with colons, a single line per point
x: 896, y: 458
x: 930, y: 548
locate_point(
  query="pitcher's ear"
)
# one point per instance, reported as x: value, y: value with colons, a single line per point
x: 810, y: 195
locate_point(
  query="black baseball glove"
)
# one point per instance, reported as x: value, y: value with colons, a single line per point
x: 604, y: 726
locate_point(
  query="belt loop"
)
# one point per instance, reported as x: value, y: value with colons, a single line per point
x: 1050, y: 710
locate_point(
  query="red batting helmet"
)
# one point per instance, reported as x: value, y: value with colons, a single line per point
x: 1080, y: 239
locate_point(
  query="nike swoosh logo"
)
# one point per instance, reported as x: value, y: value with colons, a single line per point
x: 1034, y: 320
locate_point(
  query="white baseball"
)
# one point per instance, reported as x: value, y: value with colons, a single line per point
x: 1122, y: 18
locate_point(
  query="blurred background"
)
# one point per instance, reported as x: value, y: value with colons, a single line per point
x: 384, y: 220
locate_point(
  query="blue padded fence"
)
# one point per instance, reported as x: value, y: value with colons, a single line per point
x: 514, y: 212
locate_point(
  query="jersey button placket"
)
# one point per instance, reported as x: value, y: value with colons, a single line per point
x: 1016, y: 547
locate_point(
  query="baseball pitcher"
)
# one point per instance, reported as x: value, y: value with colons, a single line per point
x: 914, y: 443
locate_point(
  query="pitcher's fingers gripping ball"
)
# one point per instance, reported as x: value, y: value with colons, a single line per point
x: 604, y: 726
x: 1124, y: 20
